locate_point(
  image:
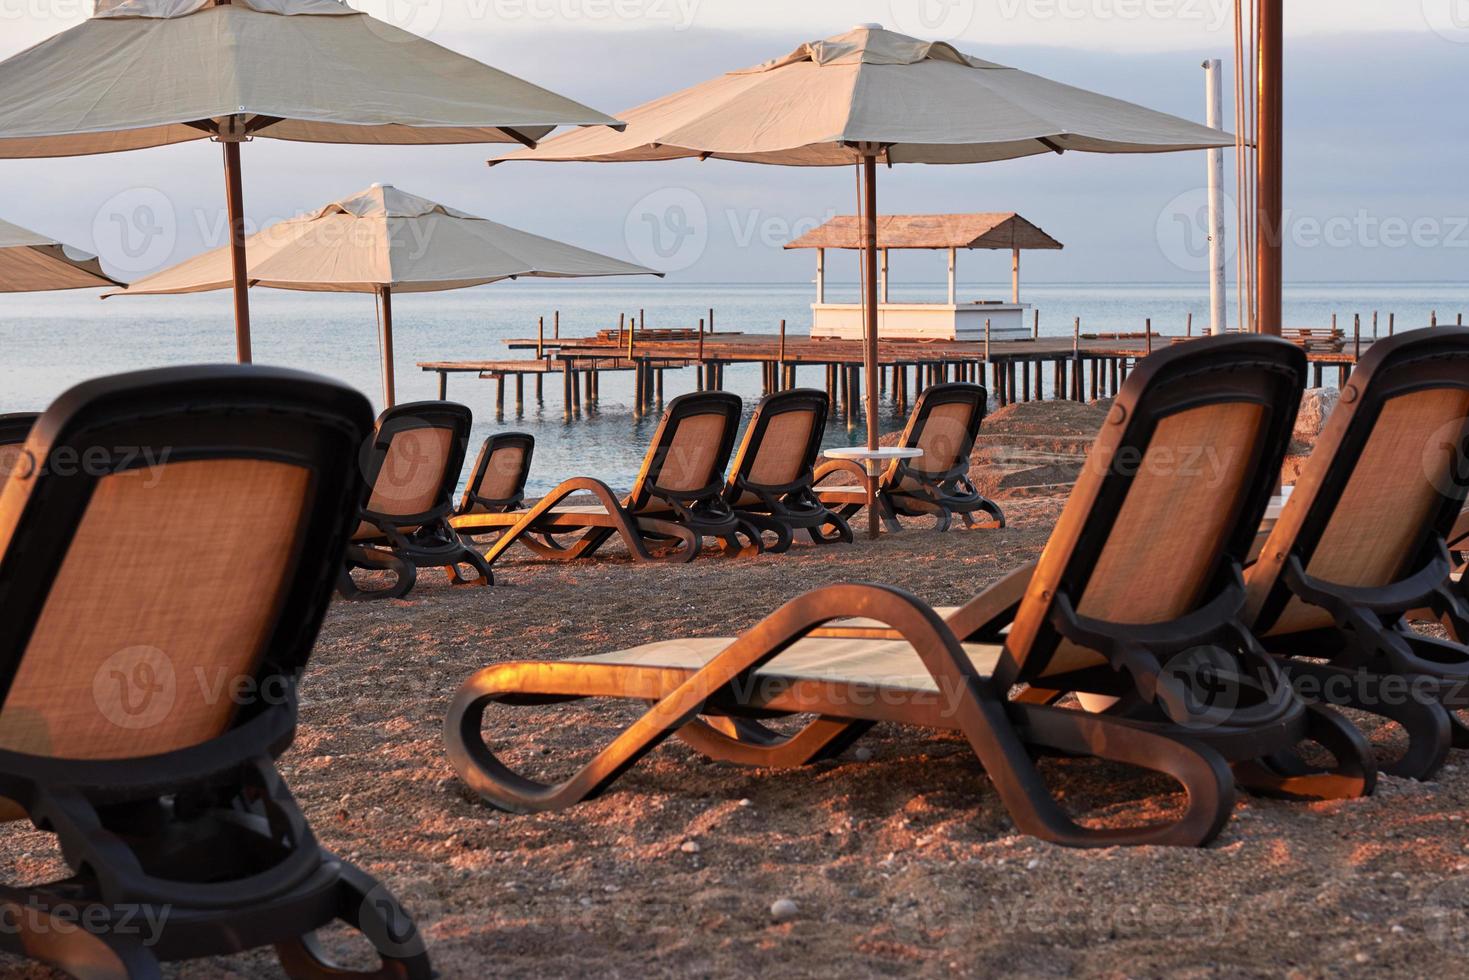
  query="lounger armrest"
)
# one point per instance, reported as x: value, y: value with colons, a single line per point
x: 981, y: 618
x: 845, y: 466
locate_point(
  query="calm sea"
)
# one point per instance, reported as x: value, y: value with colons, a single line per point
x: 54, y: 340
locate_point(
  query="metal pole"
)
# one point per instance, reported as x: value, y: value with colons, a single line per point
x: 1270, y: 166
x: 235, y: 201
x: 1214, y: 86
x: 869, y: 353
x: 385, y: 345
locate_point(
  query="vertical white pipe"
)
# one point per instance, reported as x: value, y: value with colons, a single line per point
x: 821, y: 275
x: 1214, y: 86
x: 953, y: 284
x: 883, y: 277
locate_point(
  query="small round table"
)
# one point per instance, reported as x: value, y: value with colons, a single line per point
x: 874, y: 461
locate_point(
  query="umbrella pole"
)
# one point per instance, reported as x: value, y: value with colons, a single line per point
x: 869, y: 353
x: 1270, y: 167
x: 235, y: 201
x: 385, y: 344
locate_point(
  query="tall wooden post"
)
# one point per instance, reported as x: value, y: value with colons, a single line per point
x: 1270, y: 166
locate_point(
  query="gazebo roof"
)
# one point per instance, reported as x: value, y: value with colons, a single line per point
x: 1002, y: 230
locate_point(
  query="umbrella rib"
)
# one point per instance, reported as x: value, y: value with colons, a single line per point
x: 1051, y: 145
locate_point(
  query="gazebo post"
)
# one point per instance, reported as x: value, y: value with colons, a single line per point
x: 385, y: 344
x: 821, y: 275
x: 883, y: 276
x: 953, y: 276
x: 1015, y: 275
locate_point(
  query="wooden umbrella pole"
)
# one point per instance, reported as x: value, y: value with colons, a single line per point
x: 235, y: 201
x: 869, y: 353
x: 385, y: 343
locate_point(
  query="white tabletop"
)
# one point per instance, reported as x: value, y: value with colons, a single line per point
x: 882, y: 452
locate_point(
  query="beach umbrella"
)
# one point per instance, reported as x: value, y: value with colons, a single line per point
x: 143, y: 73
x: 869, y: 96
x: 385, y: 241
x: 33, y: 263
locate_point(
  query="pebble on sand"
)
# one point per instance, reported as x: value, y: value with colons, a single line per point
x: 784, y: 910
x: 690, y: 847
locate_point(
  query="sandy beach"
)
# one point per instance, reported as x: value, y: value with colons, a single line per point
x: 898, y: 856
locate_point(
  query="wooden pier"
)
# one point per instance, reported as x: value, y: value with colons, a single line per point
x: 1082, y: 367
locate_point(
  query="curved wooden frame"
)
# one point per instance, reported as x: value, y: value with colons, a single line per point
x: 1371, y: 641
x: 655, y: 523
x: 204, y: 841
x: 408, y: 542
x: 718, y: 708
x: 782, y: 510
x: 939, y: 496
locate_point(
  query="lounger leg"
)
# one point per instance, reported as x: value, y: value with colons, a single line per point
x: 749, y: 743
x: 1355, y: 773
x: 68, y: 947
x: 1427, y: 723
x: 482, y: 576
x: 376, y: 559
x: 370, y: 909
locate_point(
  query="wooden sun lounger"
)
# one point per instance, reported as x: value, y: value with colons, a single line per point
x: 412, y: 465
x: 1361, y: 543
x: 160, y: 788
x: 676, y: 502
x: 771, y: 481
x: 944, y: 424
x: 497, y: 482
x: 1135, y: 582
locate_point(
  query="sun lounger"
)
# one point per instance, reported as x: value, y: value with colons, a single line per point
x: 497, y: 481
x: 1136, y: 600
x: 944, y: 424
x: 412, y: 465
x: 770, y: 482
x: 1362, y: 542
x: 161, y: 602
x: 676, y: 501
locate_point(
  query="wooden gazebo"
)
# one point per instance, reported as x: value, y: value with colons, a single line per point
x: 943, y: 321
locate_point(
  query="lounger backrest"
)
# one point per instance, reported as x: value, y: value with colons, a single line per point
x: 414, y: 459
x: 782, y: 441
x: 690, y: 450
x: 13, y: 431
x: 497, y: 481
x: 1384, y: 484
x: 167, y: 551
x: 944, y: 424
x: 1172, y: 492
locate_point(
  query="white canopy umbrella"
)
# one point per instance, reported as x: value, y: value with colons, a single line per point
x: 385, y: 241
x: 33, y: 263
x: 145, y: 73
x: 873, y: 95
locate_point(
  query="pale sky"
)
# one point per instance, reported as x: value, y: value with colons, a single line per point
x: 1377, y: 132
